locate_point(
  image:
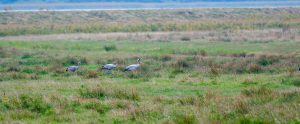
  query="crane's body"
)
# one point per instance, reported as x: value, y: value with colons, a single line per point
x: 72, y: 68
x: 133, y: 67
x: 109, y: 67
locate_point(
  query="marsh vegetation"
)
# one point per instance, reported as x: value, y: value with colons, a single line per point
x: 235, y: 75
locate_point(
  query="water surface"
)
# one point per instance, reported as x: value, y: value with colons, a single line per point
x: 134, y: 6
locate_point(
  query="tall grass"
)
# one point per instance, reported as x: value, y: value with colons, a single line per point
x: 100, y: 92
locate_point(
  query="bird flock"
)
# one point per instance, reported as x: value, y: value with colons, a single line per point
x: 109, y: 67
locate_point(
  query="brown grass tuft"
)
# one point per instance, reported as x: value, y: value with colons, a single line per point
x: 261, y: 91
x: 189, y: 100
x: 92, y: 74
x: 185, y: 118
x: 254, y: 68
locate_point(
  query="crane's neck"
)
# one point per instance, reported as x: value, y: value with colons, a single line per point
x: 139, y: 61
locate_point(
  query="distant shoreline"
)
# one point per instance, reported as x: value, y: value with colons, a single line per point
x: 35, y: 7
x: 90, y: 10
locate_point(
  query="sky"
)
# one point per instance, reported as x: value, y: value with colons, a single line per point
x: 47, y: 1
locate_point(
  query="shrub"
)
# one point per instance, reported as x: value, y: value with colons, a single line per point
x: 82, y: 72
x: 256, y: 91
x: 3, y: 108
x: 122, y: 104
x: 164, y: 100
x: 83, y: 60
x: 165, y: 58
x: 185, y: 118
x: 265, y: 60
x: 176, y: 72
x: 189, y: 100
x: 70, y: 61
x: 210, y: 95
x: 214, y: 70
x: 42, y: 72
x: 203, y: 53
x: 143, y: 113
x: 158, y: 99
x: 290, y: 96
x: 27, y: 70
x: 12, y: 76
x: 16, y: 76
x: 97, y: 92
x: 225, y: 39
x: 110, y: 48
x: 133, y: 75
x: 296, y: 82
x: 97, y: 106
x: 181, y: 64
x: 35, y: 103
x: 239, y: 54
x: 57, y: 68
x: 131, y: 94
x: 75, y: 60
x: 13, y: 69
x: 239, y: 67
x: 247, y: 120
x: 23, y: 115
x: 165, y: 40
x: 33, y: 77
x: 185, y: 38
x: 3, y: 52
x: 241, y: 107
x: 249, y: 81
x: 117, y: 121
x: 92, y: 74
x: 291, y: 81
x: 26, y: 56
x: 291, y: 71
x: 254, y: 68
x: 74, y: 106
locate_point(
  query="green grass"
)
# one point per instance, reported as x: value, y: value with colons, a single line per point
x: 176, y: 84
x: 239, y: 70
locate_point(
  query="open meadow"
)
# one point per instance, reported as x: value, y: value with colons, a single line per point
x: 211, y: 66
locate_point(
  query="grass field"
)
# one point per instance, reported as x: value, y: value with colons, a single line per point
x: 189, y: 77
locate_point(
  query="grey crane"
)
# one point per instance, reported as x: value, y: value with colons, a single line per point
x: 73, y: 68
x: 133, y: 67
x: 109, y: 67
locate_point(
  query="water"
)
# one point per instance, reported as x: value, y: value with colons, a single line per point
x: 135, y: 6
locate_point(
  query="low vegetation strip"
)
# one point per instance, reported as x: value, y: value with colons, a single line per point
x: 22, y: 23
x: 263, y: 36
